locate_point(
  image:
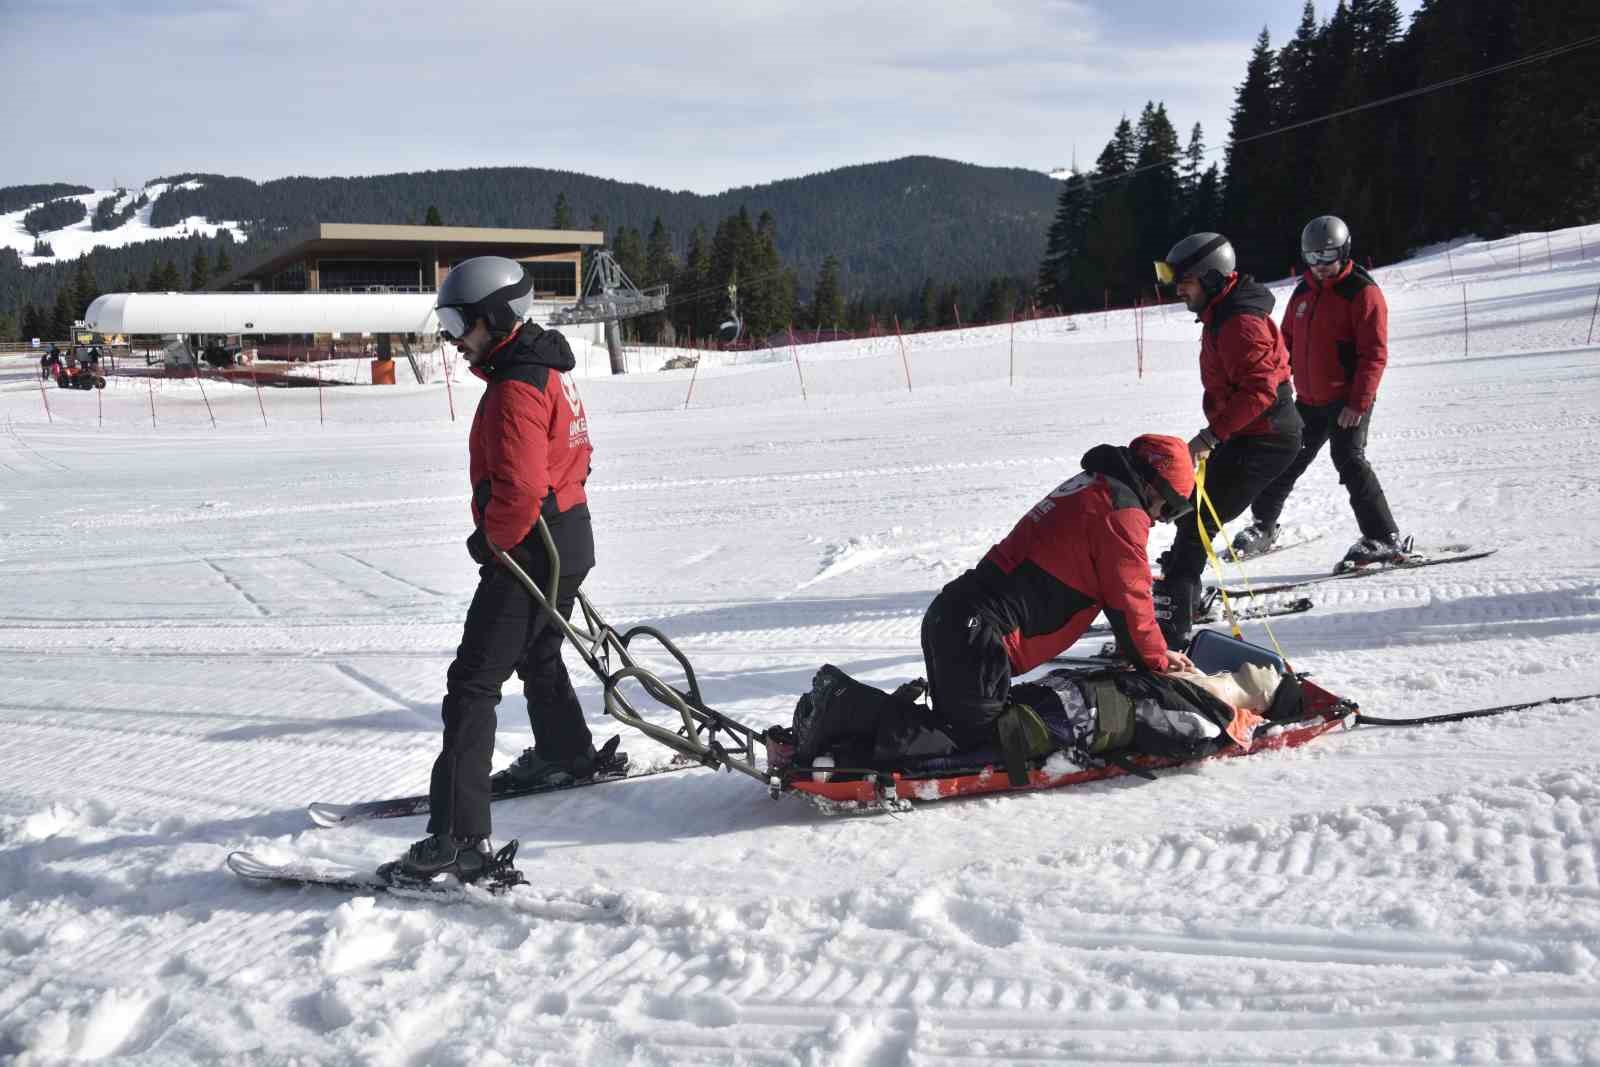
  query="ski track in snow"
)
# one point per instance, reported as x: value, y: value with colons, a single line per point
x: 203, y: 630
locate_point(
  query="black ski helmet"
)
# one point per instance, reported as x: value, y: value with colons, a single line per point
x: 1323, y: 235
x: 1207, y: 257
x: 493, y: 288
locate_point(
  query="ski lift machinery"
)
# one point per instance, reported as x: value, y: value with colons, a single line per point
x: 609, y: 296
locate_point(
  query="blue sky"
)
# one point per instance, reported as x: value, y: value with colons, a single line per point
x: 703, y: 96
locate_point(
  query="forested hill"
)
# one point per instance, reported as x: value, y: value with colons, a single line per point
x: 892, y: 225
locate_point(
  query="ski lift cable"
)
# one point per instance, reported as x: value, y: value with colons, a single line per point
x: 1448, y: 83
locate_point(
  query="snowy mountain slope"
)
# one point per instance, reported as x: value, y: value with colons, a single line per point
x: 203, y: 629
x: 72, y: 241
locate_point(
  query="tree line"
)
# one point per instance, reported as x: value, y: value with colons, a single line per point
x: 1513, y: 151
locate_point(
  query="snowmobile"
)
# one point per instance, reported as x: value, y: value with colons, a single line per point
x: 78, y: 376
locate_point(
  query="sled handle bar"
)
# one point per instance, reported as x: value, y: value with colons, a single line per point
x: 599, y: 644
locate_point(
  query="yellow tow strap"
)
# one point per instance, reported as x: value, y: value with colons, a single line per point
x: 1203, y: 504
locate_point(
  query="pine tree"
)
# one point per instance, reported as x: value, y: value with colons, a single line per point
x: 133, y: 284
x: 1109, y: 243
x: 827, y: 306
x: 8, y: 327
x: 1061, y: 272
x: 199, y: 271
x: 1548, y: 173
x: 224, y: 264
x: 659, y: 269
x: 695, y: 302
x: 433, y: 218
x: 64, y: 315
x: 35, y: 323
x: 1154, y: 193
x: 85, y: 287
x: 1189, y: 171
x: 171, y: 280
x: 562, y: 218
x: 1302, y: 98
x: 1258, y: 180
x: 928, y: 305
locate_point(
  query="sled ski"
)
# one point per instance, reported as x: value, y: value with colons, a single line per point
x: 502, y: 877
x: 615, y: 769
x: 1413, y: 563
x: 1209, y: 611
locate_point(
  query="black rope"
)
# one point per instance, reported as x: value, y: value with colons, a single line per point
x: 1363, y: 719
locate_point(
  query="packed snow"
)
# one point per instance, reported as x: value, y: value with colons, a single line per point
x: 221, y: 605
x: 70, y: 242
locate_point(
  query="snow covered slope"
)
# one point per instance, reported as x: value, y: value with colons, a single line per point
x: 72, y: 241
x: 202, y: 629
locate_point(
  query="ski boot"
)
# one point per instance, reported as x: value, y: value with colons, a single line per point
x: 533, y: 771
x: 1370, y: 551
x: 1174, y: 609
x: 1255, y: 539
x: 439, y: 857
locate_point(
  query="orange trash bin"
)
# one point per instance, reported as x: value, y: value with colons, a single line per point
x: 383, y: 372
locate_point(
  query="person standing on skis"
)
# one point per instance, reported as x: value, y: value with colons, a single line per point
x: 1079, y: 551
x: 1337, y: 331
x: 1252, y: 430
x: 529, y: 455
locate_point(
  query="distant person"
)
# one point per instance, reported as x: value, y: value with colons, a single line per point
x: 1337, y: 331
x: 1252, y: 430
x: 528, y: 457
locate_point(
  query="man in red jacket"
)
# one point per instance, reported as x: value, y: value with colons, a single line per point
x: 528, y: 456
x: 1337, y: 332
x: 1252, y: 429
x: 1080, y: 551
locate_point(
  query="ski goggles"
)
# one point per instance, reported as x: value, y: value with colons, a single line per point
x: 1323, y: 258
x: 1175, y: 507
x: 1164, y: 273
x: 455, y: 322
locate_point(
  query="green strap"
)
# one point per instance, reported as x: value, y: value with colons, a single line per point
x: 1113, y: 717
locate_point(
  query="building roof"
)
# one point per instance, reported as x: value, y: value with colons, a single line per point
x: 446, y: 242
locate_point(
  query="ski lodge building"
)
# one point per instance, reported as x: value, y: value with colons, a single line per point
x: 344, y: 257
x: 342, y: 289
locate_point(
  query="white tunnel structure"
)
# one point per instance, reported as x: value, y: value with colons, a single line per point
x: 262, y: 313
x: 266, y: 314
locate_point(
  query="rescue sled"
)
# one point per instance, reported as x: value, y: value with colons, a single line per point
x: 974, y: 775
x: 1300, y: 711
x: 714, y: 740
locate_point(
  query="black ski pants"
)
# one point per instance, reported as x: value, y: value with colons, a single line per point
x: 969, y: 673
x: 1236, y: 473
x: 506, y: 630
x: 1348, y: 446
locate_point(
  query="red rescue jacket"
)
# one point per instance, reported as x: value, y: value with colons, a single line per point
x: 1244, y: 366
x: 1337, y: 333
x: 529, y: 449
x: 1081, y: 550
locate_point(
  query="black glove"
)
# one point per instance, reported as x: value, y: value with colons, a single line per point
x: 478, y: 548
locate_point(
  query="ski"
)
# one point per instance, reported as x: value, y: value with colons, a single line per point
x: 614, y: 769
x: 1227, y: 553
x: 1214, y: 613
x: 1412, y: 563
x: 499, y: 883
x: 502, y: 876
